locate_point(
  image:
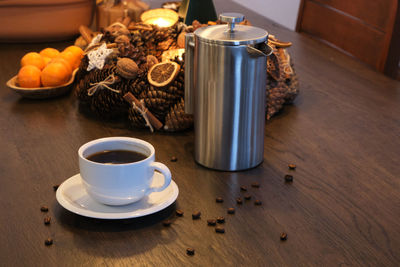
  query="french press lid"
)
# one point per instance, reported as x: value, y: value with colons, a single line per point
x: 231, y: 34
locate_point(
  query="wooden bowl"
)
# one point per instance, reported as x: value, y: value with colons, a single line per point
x: 41, y: 92
x: 43, y: 20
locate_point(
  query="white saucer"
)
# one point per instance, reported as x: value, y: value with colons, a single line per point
x: 72, y: 195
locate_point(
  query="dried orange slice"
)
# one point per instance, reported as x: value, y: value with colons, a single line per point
x: 162, y: 74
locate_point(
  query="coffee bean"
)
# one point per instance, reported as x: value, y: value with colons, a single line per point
x: 219, y: 200
x: 231, y: 211
x: 55, y: 187
x: 179, y: 213
x: 47, y: 220
x: 48, y: 242
x: 196, y: 215
x: 167, y: 222
x: 288, y: 178
x: 174, y: 159
x: 44, y: 208
x: 292, y: 166
x: 243, y: 188
x: 247, y: 197
x: 258, y: 202
x: 239, y: 200
x: 283, y: 236
x: 255, y: 184
x: 220, y: 219
x: 211, y: 222
x: 190, y: 251
x: 220, y: 229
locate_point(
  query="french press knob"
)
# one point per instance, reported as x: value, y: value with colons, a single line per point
x: 231, y: 19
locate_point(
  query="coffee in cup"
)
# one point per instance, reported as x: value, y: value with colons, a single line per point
x: 120, y: 170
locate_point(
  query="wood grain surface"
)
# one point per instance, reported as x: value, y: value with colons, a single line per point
x: 368, y: 30
x: 342, y: 208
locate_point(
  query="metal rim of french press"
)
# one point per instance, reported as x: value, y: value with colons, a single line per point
x: 231, y: 34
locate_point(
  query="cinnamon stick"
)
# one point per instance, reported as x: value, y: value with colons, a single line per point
x: 143, y: 27
x: 112, y: 45
x: 86, y: 33
x: 126, y: 21
x: 129, y: 97
x: 90, y: 48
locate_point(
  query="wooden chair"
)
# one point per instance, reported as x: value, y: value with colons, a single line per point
x: 368, y: 30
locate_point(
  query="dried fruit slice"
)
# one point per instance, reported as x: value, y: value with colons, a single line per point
x: 162, y: 74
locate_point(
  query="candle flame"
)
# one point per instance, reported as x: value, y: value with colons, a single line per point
x: 160, y: 22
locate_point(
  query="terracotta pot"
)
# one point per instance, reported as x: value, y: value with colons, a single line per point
x: 43, y: 20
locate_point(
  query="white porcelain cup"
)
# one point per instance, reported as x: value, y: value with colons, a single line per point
x: 120, y: 184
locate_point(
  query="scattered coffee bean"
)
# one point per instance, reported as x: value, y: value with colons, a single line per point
x: 174, y: 159
x: 190, y: 251
x: 220, y: 229
x: 167, y: 222
x: 239, y: 200
x: 220, y: 219
x: 258, y: 202
x: 196, y: 215
x: 288, y: 178
x: 219, y: 200
x: 231, y: 211
x: 44, y: 208
x: 283, y: 236
x: 255, y: 184
x: 47, y: 220
x: 292, y: 166
x: 211, y: 222
x: 179, y: 213
x: 48, y: 242
x: 55, y: 187
x: 243, y: 188
x: 247, y: 197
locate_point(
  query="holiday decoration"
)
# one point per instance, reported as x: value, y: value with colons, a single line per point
x: 137, y: 72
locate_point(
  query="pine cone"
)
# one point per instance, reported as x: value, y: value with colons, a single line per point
x: 139, y: 84
x: 177, y: 119
x: 282, y: 83
x: 135, y: 119
x: 94, y: 76
x: 82, y: 70
x: 105, y: 103
x: 158, y: 100
x: 108, y: 104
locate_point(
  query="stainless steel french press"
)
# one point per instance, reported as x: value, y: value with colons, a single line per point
x: 225, y: 79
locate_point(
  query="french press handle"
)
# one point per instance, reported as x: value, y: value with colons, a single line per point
x: 231, y: 19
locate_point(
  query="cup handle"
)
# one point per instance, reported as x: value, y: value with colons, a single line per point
x: 165, y: 172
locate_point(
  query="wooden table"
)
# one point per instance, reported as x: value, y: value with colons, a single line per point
x: 343, y: 207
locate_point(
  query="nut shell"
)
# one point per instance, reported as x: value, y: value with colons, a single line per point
x: 151, y: 61
x: 127, y: 68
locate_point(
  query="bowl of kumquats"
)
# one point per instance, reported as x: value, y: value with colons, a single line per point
x: 46, y: 74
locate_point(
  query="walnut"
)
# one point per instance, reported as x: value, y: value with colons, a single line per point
x: 127, y: 68
x: 151, y: 60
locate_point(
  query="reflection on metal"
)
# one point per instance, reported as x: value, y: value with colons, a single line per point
x: 225, y: 79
